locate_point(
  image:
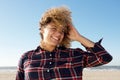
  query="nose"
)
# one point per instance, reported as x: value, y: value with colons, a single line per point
x: 59, y: 32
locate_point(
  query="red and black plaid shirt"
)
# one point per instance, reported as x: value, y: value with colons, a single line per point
x: 61, y: 64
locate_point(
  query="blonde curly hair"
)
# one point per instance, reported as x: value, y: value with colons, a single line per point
x: 60, y: 16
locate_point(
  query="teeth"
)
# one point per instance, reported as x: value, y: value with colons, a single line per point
x: 56, y: 38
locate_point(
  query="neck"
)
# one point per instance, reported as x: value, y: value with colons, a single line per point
x: 47, y: 47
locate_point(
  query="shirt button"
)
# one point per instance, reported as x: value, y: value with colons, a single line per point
x: 50, y: 62
x: 50, y: 55
x: 48, y: 70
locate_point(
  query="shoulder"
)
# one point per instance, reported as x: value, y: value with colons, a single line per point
x: 29, y: 53
x: 76, y: 49
x: 71, y: 50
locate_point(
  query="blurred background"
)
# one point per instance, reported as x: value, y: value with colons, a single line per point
x: 19, y: 25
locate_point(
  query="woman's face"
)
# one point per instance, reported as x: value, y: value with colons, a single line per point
x: 52, y: 34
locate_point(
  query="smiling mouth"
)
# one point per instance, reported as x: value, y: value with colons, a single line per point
x: 55, y: 38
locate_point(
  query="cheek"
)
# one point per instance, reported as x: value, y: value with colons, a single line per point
x: 62, y: 36
x: 46, y: 34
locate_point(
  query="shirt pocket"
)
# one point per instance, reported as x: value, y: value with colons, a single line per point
x: 64, y: 62
x: 33, y: 64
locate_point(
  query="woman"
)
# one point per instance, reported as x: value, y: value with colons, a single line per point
x: 54, y: 59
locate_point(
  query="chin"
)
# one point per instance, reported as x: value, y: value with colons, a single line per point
x: 54, y: 44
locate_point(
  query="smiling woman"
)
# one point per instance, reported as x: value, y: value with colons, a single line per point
x: 60, y: 18
x: 54, y: 59
x: 52, y: 36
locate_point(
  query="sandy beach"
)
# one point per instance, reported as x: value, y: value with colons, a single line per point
x: 101, y: 75
x: 87, y: 75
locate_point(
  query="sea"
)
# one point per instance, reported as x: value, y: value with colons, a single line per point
x: 14, y: 68
x: 103, y: 68
x: 8, y: 69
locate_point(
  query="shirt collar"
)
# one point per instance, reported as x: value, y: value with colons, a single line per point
x: 40, y: 50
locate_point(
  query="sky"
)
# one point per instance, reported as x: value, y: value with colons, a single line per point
x: 94, y: 19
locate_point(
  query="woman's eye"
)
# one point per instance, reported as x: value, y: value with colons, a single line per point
x: 53, y: 29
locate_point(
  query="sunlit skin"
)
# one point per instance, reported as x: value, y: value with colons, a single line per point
x: 76, y: 36
x: 52, y: 37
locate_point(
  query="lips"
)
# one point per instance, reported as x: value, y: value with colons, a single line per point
x: 55, y: 39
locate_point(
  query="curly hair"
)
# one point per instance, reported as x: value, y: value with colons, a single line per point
x: 58, y: 15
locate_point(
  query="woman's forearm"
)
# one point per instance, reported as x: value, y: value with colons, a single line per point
x: 84, y: 41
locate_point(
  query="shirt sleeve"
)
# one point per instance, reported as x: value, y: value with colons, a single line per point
x: 21, y: 65
x: 96, y: 56
x: 20, y: 70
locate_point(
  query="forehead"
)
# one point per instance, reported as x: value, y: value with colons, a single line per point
x: 57, y: 25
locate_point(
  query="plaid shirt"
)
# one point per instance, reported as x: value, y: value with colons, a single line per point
x: 60, y: 64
